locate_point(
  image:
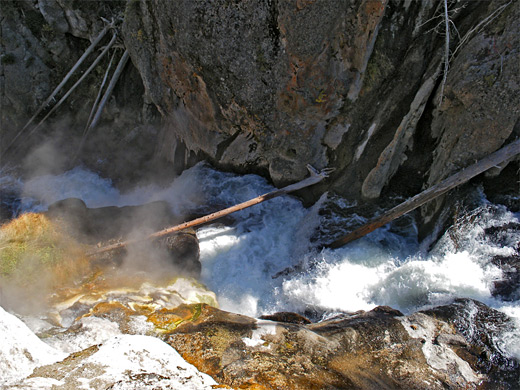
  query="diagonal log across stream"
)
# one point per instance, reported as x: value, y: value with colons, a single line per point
x: 462, y: 176
x: 315, y: 177
x: 492, y: 160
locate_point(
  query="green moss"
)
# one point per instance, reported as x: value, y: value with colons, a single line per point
x: 10, y: 256
x: 31, y: 253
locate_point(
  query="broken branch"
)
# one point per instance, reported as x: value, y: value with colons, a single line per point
x: 315, y: 177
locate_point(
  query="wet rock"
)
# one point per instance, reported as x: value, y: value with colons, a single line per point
x: 291, y: 318
x: 376, y: 349
x: 483, y: 329
x: 183, y: 247
x: 508, y: 288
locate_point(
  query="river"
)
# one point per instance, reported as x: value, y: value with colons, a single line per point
x: 244, y: 262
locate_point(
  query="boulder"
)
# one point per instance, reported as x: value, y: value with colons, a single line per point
x: 377, y: 349
x: 183, y: 247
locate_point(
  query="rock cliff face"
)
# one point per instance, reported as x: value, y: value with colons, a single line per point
x: 270, y: 86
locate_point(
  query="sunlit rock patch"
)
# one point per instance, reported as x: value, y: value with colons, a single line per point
x: 37, y: 253
x: 36, y: 258
x: 123, y: 362
x: 41, y: 263
x: 33, y: 242
x: 365, y: 350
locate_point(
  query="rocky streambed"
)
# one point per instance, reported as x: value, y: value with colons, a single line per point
x: 134, y: 320
x: 258, y: 87
x: 453, y: 346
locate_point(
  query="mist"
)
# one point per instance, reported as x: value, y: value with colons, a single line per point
x: 96, y: 213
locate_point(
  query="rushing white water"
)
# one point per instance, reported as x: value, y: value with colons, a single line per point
x: 239, y: 261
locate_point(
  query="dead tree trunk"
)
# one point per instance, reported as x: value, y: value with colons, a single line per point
x: 314, y: 178
x: 453, y: 181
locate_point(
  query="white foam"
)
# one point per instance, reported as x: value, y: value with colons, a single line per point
x: 263, y: 329
x: 41, y: 191
x: 127, y: 355
x: 21, y: 351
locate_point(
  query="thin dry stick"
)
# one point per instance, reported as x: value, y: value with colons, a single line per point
x: 60, y: 86
x: 111, y: 85
x: 85, y: 74
x: 482, y: 24
x: 96, y: 101
x: 315, y: 177
x: 501, y: 155
x: 94, y: 106
x: 446, y: 49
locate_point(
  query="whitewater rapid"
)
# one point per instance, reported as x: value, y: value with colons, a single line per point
x: 240, y: 260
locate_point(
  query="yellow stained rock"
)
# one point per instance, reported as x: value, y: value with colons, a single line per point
x: 33, y: 247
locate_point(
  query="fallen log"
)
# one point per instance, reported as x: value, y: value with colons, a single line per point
x: 492, y: 160
x: 315, y: 177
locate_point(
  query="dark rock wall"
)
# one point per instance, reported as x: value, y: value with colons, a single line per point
x: 40, y: 41
x: 270, y: 86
